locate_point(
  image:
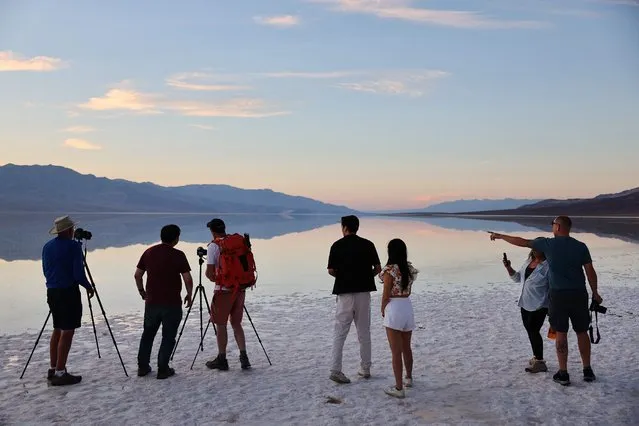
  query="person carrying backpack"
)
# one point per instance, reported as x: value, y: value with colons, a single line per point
x: 230, y: 265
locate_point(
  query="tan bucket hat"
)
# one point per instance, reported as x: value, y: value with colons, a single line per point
x: 61, y: 224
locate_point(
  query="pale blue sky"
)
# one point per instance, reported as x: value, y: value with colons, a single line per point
x: 371, y: 103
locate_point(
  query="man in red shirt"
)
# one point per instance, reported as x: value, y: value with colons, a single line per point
x: 166, y: 267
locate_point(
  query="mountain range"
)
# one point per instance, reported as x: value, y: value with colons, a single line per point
x: 464, y: 206
x: 59, y: 189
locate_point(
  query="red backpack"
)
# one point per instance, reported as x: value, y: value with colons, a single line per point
x: 236, y: 267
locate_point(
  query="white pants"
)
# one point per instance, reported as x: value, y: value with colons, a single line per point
x: 352, y: 307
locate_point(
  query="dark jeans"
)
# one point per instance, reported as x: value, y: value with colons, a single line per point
x: 154, y: 316
x: 533, y: 321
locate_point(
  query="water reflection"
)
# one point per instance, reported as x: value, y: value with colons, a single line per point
x: 22, y: 236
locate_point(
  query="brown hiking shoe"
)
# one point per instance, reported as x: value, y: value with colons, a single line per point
x: 539, y: 366
x: 65, y: 380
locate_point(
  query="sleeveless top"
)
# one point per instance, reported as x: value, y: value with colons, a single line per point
x: 395, y: 273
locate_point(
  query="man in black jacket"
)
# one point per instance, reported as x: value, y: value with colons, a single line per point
x: 354, y: 262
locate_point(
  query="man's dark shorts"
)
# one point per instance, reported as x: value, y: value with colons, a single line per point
x: 569, y: 304
x: 65, y: 305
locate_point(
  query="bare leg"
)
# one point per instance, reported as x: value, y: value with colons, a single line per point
x: 238, y: 331
x: 561, y: 344
x: 222, y: 338
x: 53, y: 347
x: 395, y: 341
x: 407, y: 353
x: 64, y: 346
x: 584, y: 348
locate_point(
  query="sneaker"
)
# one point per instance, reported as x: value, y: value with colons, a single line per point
x: 218, y: 364
x: 393, y: 391
x: 339, y: 377
x: 408, y: 382
x: 65, y: 380
x: 165, y: 373
x: 364, y: 373
x: 589, y: 375
x: 244, y: 361
x: 538, y: 367
x: 50, y: 373
x: 143, y: 371
x: 562, y: 378
x: 532, y: 361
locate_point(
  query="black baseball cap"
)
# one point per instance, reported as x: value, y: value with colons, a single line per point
x: 216, y: 225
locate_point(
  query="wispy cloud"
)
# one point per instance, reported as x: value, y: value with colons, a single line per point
x: 125, y: 98
x: 310, y: 75
x: 280, y: 21
x: 406, y: 10
x: 79, y: 129
x: 202, y: 126
x: 407, y: 83
x: 202, y: 82
x: 11, y: 61
x: 81, y: 144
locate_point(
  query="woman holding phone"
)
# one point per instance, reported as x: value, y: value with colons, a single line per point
x: 533, y: 302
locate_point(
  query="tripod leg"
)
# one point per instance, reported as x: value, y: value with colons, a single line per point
x: 95, y: 333
x: 183, y: 324
x: 208, y: 308
x: 201, y: 340
x: 201, y: 328
x: 106, y: 320
x: 258, y: 336
x: 36, y: 344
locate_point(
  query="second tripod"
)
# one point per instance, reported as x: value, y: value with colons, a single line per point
x: 201, y: 292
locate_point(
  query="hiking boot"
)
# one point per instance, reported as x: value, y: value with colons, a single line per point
x: 562, y: 378
x: 165, y: 373
x: 244, y: 361
x: 143, y: 371
x: 532, y: 361
x: 408, y: 382
x: 538, y: 367
x: 393, y: 391
x: 50, y: 373
x: 364, y: 373
x: 65, y: 380
x: 339, y: 377
x: 589, y: 375
x: 218, y: 364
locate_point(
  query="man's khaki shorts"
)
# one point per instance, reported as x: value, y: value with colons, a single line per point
x: 227, y: 304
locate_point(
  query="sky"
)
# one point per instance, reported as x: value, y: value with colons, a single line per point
x: 375, y: 104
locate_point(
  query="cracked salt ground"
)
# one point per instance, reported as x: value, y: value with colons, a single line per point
x: 470, y: 351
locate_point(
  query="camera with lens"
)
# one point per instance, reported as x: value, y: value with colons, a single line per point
x: 596, y: 307
x: 82, y: 234
x: 201, y: 251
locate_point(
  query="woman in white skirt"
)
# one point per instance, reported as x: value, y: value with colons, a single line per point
x: 398, y: 276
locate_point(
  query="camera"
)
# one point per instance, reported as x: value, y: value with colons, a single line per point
x: 82, y: 234
x: 201, y: 251
x: 596, y: 307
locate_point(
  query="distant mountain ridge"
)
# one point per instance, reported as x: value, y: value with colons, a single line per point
x: 60, y: 189
x: 460, y: 206
x: 615, y: 204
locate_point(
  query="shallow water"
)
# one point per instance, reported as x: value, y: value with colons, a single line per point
x: 291, y: 255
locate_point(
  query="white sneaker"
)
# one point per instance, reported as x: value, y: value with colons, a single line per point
x: 393, y: 391
x: 408, y: 382
x: 339, y: 377
x: 364, y: 373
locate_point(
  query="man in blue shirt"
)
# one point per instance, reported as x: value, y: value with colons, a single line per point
x: 568, y: 258
x: 63, y: 267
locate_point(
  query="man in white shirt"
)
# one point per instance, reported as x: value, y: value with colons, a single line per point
x: 226, y: 303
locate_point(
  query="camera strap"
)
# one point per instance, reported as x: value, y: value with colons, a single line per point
x: 590, y: 329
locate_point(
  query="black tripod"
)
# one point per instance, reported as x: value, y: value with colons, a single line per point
x: 202, y: 292
x: 95, y: 290
x: 254, y: 329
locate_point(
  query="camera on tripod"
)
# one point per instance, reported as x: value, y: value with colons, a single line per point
x: 596, y: 307
x: 82, y: 234
x: 201, y: 251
